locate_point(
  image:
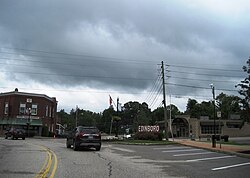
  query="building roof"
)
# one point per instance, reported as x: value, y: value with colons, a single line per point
x: 16, y: 92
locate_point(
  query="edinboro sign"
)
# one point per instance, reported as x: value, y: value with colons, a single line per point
x: 148, y: 128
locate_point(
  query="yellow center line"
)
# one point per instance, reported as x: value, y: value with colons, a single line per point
x: 55, y: 165
x: 48, y: 165
x: 50, y: 156
x: 45, y: 163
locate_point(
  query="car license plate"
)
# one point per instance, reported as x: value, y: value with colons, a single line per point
x: 90, y: 136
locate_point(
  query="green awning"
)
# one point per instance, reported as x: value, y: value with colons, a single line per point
x: 33, y: 122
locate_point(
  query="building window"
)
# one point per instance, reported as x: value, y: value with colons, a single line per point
x: 50, y: 111
x: 6, y: 108
x: 209, y: 129
x: 34, y: 109
x: 29, y: 100
x: 47, y: 111
x: 22, y: 108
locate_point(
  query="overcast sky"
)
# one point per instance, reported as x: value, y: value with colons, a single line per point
x: 82, y: 51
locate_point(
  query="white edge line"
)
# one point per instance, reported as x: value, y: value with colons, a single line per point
x: 186, y: 150
x: 231, y: 166
x: 192, y: 154
x: 171, y: 148
x: 203, y: 159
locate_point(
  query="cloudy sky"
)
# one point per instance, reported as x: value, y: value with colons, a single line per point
x: 82, y: 51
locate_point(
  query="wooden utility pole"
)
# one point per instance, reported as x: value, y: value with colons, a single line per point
x: 164, y: 101
x: 76, y: 114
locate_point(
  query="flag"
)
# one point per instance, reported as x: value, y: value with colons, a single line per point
x: 110, y: 100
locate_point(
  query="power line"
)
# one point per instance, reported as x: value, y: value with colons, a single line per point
x: 185, y: 78
x: 207, y: 88
x: 153, y: 89
x: 202, y: 68
x: 80, y: 76
x: 73, y: 56
x: 215, y: 75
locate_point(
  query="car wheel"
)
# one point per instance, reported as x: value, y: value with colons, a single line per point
x: 98, y: 148
x: 75, y: 147
x: 12, y: 137
x: 6, y: 137
x: 67, y: 144
x: 23, y: 138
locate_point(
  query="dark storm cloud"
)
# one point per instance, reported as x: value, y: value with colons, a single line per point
x: 119, y: 43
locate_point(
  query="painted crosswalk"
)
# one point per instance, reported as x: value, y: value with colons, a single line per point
x: 230, y: 166
x: 193, y: 154
x: 183, y: 150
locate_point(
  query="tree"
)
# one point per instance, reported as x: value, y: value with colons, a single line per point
x: 192, y: 108
x: 157, y: 115
x: 135, y: 114
x: 106, y: 119
x: 174, y: 111
x: 245, y: 92
x: 195, y: 109
x: 228, y: 105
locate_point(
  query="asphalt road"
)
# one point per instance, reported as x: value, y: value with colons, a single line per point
x: 26, y: 158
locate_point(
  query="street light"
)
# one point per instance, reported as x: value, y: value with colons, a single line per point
x: 213, y: 136
x: 28, y: 123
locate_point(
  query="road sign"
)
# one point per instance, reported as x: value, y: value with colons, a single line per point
x: 219, y: 114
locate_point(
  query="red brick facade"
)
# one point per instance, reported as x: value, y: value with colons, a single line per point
x: 19, y: 108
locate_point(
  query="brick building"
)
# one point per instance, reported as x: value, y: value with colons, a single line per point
x: 21, y: 110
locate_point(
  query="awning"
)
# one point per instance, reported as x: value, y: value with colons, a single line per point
x: 33, y: 122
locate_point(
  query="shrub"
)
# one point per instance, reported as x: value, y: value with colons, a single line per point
x: 45, y: 131
x: 148, y: 136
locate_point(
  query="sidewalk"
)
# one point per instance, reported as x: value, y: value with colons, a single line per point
x: 224, y: 148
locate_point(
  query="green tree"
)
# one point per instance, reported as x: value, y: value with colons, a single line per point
x: 174, y: 111
x: 192, y: 108
x: 245, y: 92
x: 206, y: 109
x: 195, y: 109
x: 228, y: 105
x: 135, y: 114
x: 157, y: 115
x: 106, y: 119
x: 66, y: 119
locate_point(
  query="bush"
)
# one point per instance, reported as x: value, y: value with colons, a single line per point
x: 148, y: 136
x: 45, y: 131
x: 51, y: 134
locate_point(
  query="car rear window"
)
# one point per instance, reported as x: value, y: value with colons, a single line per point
x: 89, y: 130
x: 20, y: 130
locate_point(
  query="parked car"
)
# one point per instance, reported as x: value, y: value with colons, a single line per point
x: 127, y: 136
x: 88, y: 137
x: 15, y: 133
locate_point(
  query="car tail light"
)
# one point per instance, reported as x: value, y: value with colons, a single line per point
x: 97, y: 135
x: 81, y: 134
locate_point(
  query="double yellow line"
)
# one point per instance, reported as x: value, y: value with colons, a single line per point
x: 47, y: 165
x: 46, y: 170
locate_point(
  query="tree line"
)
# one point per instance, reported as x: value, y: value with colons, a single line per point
x: 134, y: 113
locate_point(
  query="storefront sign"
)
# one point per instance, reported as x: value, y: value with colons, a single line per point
x: 148, y: 128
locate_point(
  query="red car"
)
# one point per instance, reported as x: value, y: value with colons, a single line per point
x: 15, y: 133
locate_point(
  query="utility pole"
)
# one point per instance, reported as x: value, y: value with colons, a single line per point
x: 164, y: 101
x: 76, y: 114
x: 213, y: 136
x: 116, y: 123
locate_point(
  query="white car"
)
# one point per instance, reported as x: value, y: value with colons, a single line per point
x: 127, y: 136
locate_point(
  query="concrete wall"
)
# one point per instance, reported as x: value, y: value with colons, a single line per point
x: 237, y: 132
